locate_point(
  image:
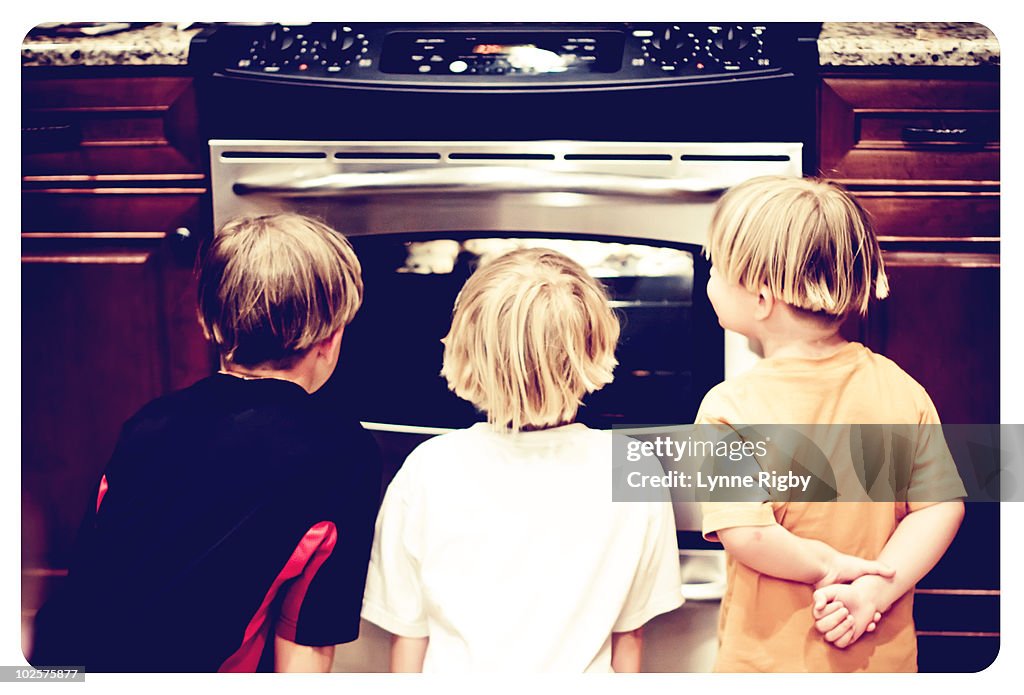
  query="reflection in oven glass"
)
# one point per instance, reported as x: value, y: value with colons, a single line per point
x: 602, y: 259
x: 669, y: 353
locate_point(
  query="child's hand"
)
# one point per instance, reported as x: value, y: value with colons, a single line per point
x: 844, y: 612
x: 843, y: 569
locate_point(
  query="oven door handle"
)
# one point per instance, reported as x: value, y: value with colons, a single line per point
x: 480, y: 180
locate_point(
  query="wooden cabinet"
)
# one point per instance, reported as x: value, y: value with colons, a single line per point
x: 110, y: 126
x: 921, y: 154
x: 113, y: 201
x: 902, y: 129
x: 941, y: 322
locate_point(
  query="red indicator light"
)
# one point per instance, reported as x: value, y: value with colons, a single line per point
x: 303, y: 66
x: 700, y: 66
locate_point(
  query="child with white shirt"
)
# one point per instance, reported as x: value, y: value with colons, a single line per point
x: 499, y: 547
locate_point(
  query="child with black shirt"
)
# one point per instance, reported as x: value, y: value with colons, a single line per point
x: 231, y: 529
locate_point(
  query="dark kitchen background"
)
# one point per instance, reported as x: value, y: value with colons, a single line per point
x: 118, y: 189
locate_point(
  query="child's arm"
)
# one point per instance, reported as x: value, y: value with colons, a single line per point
x: 919, y: 542
x: 627, y: 651
x: 775, y: 551
x: 290, y: 657
x: 394, y: 597
x: 915, y: 547
x: 407, y: 654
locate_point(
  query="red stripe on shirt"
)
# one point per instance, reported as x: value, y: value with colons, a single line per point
x: 103, y: 491
x: 288, y: 621
x: 310, y: 553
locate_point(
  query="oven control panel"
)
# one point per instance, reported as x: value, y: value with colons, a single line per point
x: 501, y: 52
x: 508, y: 55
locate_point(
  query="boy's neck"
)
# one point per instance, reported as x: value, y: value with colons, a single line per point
x: 802, y: 348
x: 789, y: 333
x: 538, y: 428
x: 297, y: 375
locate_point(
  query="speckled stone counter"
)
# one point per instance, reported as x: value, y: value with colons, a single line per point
x: 908, y: 43
x: 156, y: 44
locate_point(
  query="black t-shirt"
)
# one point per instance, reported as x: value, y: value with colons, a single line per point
x: 229, y: 511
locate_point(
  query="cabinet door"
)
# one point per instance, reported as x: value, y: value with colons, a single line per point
x: 941, y: 324
x: 97, y: 343
x: 92, y: 223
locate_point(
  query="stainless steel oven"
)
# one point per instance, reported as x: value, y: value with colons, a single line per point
x: 429, y: 144
x: 432, y: 146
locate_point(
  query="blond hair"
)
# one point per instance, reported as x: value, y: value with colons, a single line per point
x: 807, y: 240
x: 532, y: 332
x: 271, y: 287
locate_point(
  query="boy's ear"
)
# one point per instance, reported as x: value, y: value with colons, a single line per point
x: 331, y: 342
x: 765, y: 304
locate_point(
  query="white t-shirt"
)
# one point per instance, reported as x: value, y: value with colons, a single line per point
x: 509, y: 553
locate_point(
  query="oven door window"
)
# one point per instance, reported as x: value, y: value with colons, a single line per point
x: 670, y: 350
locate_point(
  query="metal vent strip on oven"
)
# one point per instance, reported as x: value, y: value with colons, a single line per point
x: 269, y: 154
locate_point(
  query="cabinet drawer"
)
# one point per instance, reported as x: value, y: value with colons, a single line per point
x: 909, y: 129
x: 111, y: 210
x: 94, y: 126
x: 932, y: 216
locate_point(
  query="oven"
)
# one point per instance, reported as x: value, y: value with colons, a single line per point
x: 432, y: 146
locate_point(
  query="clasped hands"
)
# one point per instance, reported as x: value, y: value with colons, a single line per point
x: 846, y: 603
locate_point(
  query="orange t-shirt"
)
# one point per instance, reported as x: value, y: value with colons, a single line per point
x: 765, y: 623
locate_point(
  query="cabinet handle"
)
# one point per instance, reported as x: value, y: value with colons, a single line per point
x: 912, y: 134
x: 50, y: 138
x: 184, y: 245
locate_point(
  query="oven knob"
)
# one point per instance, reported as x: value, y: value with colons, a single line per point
x: 672, y: 44
x: 340, y: 40
x: 734, y: 44
x: 272, y: 50
x: 340, y: 45
x: 279, y: 41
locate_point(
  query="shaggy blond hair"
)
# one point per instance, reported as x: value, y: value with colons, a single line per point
x: 271, y: 287
x: 807, y: 240
x: 532, y: 332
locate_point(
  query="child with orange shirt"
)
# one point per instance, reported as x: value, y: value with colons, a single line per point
x: 817, y: 586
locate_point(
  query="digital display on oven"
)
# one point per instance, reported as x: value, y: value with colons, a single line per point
x: 502, y: 53
x: 494, y: 49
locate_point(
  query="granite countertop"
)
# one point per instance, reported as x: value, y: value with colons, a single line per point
x: 907, y: 43
x: 154, y: 44
x: 840, y: 43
